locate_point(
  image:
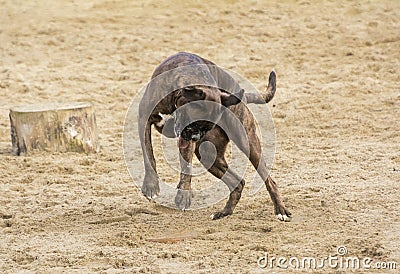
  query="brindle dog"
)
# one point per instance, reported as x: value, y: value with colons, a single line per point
x: 207, y: 91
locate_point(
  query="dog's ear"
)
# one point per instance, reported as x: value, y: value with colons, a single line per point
x: 192, y: 93
x: 232, y: 99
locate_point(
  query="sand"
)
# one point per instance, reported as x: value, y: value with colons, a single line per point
x: 336, y: 115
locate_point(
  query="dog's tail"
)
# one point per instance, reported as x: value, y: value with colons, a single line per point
x: 267, y: 95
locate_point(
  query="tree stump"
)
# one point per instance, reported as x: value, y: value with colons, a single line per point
x: 54, y: 127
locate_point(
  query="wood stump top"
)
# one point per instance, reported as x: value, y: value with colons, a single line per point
x: 50, y: 107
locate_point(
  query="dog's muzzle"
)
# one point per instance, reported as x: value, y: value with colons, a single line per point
x: 193, y: 132
x: 196, y: 130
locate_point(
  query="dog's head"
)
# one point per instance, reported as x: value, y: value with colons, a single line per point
x: 198, y: 109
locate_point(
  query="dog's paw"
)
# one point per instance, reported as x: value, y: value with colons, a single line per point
x: 220, y: 214
x: 283, y: 218
x: 151, y: 187
x: 284, y: 215
x: 183, y: 199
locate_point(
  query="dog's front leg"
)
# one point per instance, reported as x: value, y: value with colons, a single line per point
x: 183, y: 197
x: 150, y: 187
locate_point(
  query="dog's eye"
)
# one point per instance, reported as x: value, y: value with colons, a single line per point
x: 192, y: 93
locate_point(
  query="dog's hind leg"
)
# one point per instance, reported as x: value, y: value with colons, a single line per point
x: 281, y: 212
x: 184, y: 195
x: 247, y: 141
x: 258, y: 161
x: 235, y: 184
x: 219, y: 168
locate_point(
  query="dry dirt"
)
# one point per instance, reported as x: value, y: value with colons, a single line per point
x: 336, y: 114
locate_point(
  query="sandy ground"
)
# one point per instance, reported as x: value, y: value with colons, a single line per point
x: 336, y: 115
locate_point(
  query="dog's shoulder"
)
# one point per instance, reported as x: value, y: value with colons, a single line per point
x: 178, y: 60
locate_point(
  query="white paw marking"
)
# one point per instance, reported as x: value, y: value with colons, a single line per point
x: 164, y: 118
x: 151, y: 197
x: 284, y: 218
x: 212, y: 216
